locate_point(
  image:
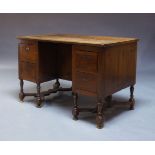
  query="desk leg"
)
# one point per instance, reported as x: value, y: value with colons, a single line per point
x: 75, y: 111
x: 132, y: 100
x: 39, y: 99
x: 21, y: 94
x: 100, y: 114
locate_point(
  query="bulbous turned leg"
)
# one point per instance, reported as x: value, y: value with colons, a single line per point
x: 56, y: 85
x: 100, y: 115
x: 39, y: 97
x: 21, y: 94
x: 75, y: 110
x: 132, y: 100
x: 108, y: 99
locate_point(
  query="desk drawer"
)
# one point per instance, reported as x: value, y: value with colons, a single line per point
x: 28, y: 52
x: 27, y: 71
x: 86, y: 82
x: 86, y: 61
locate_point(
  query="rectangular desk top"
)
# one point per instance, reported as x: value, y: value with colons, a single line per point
x: 79, y: 39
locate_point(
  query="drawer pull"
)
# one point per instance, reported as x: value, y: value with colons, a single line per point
x: 27, y: 49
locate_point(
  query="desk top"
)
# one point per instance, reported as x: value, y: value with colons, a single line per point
x: 79, y: 39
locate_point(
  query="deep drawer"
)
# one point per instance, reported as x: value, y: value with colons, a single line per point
x: 86, y: 61
x: 27, y: 71
x: 28, y: 52
x: 86, y: 81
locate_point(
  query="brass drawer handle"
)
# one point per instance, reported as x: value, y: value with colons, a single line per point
x: 27, y: 49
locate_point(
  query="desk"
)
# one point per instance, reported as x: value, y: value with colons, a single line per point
x: 97, y: 66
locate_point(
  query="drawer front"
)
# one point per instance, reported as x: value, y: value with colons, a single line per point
x: 27, y: 71
x: 86, y: 61
x: 28, y: 52
x: 86, y: 82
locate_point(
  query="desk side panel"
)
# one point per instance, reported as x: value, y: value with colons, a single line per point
x: 119, y: 67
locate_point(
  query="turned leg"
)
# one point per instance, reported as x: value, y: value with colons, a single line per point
x: 39, y: 99
x: 100, y: 115
x: 21, y: 94
x: 132, y: 100
x: 75, y: 110
x: 56, y: 84
x: 108, y: 99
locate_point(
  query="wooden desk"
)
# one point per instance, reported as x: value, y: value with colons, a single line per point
x: 97, y: 66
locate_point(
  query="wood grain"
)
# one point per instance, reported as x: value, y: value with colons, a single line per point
x: 79, y: 39
x: 97, y: 66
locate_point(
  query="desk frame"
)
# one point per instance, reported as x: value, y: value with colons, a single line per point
x: 98, y: 71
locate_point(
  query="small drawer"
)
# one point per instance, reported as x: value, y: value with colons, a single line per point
x: 27, y: 71
x: 28, y: 52
x: 86, y: 81
x: 86, y: 61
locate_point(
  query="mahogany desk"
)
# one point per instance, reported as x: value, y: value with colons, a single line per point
x: 97, y: 66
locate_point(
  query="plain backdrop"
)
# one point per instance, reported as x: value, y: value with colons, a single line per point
x: 140, y: 26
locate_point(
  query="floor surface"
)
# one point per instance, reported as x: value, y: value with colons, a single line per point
x: 23, y: 121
